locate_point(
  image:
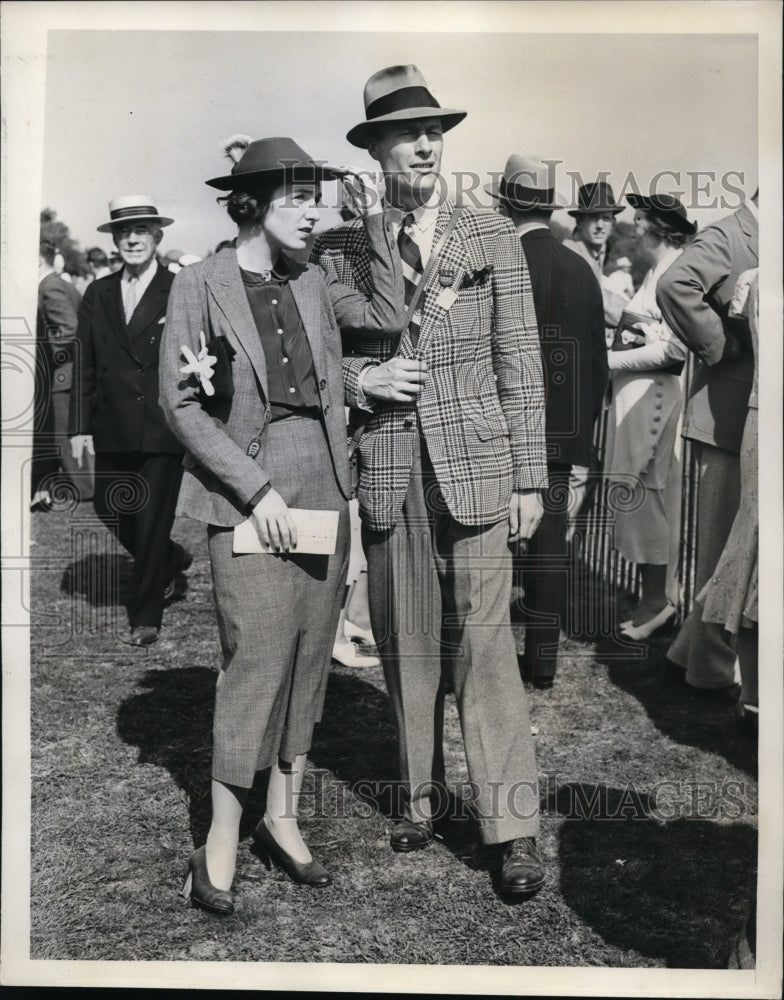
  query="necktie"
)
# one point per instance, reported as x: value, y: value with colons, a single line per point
x: 412, y: 271
x: 130, y: 299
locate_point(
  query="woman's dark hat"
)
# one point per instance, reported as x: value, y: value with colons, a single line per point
x: 596, y: 198
x: 528, y: 182
x: 665, y: 207
x: 262, y: 159
x: 399, y: 93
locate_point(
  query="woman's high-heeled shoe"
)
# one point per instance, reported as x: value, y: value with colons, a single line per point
x: 312, y: 873
x: 201, y: 891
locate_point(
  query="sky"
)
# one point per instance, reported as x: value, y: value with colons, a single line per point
x: 129, y: 111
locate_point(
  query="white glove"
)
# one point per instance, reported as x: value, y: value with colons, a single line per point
x: 78, y: 443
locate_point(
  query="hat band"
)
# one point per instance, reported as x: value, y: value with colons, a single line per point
x: 399, y: 100
x: 518, y: 192
x: 136, y: 211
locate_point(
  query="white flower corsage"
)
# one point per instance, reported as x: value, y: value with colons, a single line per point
x: 200, y: 364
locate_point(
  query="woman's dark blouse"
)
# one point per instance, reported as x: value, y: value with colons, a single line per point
x: 291, y: 378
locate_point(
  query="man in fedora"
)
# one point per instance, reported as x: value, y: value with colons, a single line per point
x: 594, y: 221
x: 451, y: 466
x: 114, y: 409
x: 570, y: 317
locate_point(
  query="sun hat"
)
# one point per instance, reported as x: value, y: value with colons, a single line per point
x: 133, y: 208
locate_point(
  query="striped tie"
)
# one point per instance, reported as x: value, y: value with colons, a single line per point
x: 412, y: 271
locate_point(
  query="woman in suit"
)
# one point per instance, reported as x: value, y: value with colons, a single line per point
x: 259, y: 408
x: 645, y: 362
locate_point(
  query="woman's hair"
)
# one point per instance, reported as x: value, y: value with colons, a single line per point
x: 250, y: 207
x: 660, y: 228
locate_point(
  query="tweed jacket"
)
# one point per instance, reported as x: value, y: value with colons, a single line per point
x: 222, y: 474
x: 694, y: 295
x: 481, y: 409
x: 570, y: 317
x: 115, y: 392
x: 58, y: 307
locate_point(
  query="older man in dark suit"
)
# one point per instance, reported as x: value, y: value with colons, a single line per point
x: 115, y: 413
x: 694, y: 295
x: 570, y: 318
x: 452, y: 463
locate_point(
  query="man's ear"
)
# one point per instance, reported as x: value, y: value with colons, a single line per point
x: 158, y: 236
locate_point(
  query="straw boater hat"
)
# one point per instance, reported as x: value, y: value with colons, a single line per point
x: 596, y: 198
x: 528, y: 182
x: 261, y: 159
x: 399, y: 93
x: 133, y: 208
x: 667, y: 208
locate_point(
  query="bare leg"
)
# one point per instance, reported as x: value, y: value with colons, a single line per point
x: 357, y: 604
x: 654, y: 597
x: 280, y: 816
x: 224, y: 836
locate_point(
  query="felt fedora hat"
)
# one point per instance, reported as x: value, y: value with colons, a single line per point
x: 665, y: 207
x: 596, y: 198
x: 133, y: 208
x: 527, y: 182
x: 262, y: 159
x: 399, y: 93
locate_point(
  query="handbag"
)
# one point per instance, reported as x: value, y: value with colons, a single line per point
x: 359, y: 430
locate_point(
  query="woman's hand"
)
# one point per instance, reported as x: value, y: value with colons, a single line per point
x: 274, y: 522
x: 361, y: 187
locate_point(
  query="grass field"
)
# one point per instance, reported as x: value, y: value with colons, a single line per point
x: 648, y: 800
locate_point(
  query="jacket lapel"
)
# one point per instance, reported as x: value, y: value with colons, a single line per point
x: 111, y: 296
x: 452, y: 263
x: 305, y: 290
x: 225, y: 286
x: 748, y: 224
x: 152, y: 303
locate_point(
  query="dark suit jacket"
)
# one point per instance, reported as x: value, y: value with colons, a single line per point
x: 115, y: 396
x: 58, y: 306
x: 694, y: 295
x: 570, y: 316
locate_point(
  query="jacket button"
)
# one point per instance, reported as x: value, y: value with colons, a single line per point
x: 408, y: 422
x: 326, y: 408
x: 152, y: 340
x: 139, y: 398
x: 323, y: 384
x: 141, y: 368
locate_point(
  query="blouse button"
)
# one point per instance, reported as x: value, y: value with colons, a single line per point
x: 292, y: 389
x: 285, y: 361
x: 279, y: 331
x: 274, y: 302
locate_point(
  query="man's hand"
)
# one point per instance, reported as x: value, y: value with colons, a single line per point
x: 399, y: 380
x: 525, y: 513
x: 78, y: 443
x: 274, y: 522
x: 362, y: 190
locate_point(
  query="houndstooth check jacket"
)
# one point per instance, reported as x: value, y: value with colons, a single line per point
x: 481, y: 410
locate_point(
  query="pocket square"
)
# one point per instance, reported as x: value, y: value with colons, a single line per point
x: 477, y: 277
x: 161, y: 320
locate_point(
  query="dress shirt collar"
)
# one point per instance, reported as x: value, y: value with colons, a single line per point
x: 526, y: 227
x: 145, y: 277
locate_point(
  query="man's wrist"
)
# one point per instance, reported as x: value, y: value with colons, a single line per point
x: 363, y: 402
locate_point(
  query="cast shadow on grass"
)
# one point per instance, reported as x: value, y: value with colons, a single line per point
x: 171, y: 724
x: 678, y: 890
x: 101, y: 579
x: 690, y: 717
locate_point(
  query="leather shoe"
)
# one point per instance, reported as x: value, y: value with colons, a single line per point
x: 312, y: 873
x: 544, y: 683
x: 184, y: 562
x: 409, y: 836
x: 522, y: 872
x: 144, y: 635
x: 201, y: 891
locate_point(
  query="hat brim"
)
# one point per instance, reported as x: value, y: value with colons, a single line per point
x: 493, y: 191
x: 311, y: 175
x: 161, y: 220
x: 678, y: 222
x: 607, y: 210
x: 361, y: 134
